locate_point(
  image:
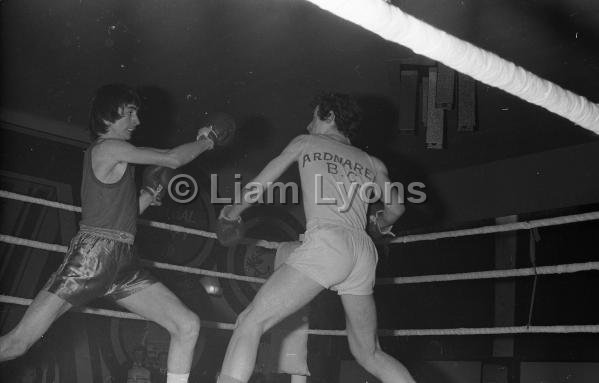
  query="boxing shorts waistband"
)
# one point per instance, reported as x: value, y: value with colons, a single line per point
x: 317, y: 223
x: 116, y: 235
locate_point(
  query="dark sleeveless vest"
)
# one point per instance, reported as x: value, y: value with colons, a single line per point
x: 108, y: 206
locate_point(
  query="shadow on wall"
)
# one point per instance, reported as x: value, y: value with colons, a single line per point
x: 446, y: 371
x: 254, y: 133
x: 158, y: 126
x: 378, y: 132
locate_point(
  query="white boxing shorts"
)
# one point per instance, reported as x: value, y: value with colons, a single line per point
x: 338, y: 257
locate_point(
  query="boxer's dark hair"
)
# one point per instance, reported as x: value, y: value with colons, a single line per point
x: 347, y: 112
x: 106, y: 104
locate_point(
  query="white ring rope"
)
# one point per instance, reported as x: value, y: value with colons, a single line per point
x: 159, y: 225
x: 192, y: 270
x: 558, y: 269
x: 525, y: 225
x: 510, y: 273
x: 403, y: 239
x: 410, y: 332
x: 475, y: 331
x: 38, y: 201
x: 109, y: 313
x: 177, y: 228
x: 158, y: 265
x: 392, y: 24
x: 492, y: 274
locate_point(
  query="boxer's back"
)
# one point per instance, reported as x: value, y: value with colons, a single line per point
x: 335, y: 177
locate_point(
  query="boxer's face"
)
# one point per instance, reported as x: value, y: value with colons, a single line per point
x: 124, y: 126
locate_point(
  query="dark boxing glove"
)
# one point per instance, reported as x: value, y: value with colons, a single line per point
x: 155, y: 180
x: 222, y: 129
x: 229, y: 231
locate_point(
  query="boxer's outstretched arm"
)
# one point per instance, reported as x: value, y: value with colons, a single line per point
x: 271, y: 172
x: 122, y: 151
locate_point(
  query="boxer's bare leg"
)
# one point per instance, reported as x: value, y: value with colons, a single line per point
x: 286, y: 291
x: 360, y: 314
x: 158, y: 304
x: 43, y: 311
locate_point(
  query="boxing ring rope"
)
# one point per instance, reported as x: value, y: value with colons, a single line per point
x: 556, y: 269
x: 525, y: 225
x: 474, y: 331
x: 110, y: 313
x: 491, y: 274
x: 160, y: 225
x: 410, y: 332
x: 392, y: 24
x: 544, y: 270
x: 157, y: 265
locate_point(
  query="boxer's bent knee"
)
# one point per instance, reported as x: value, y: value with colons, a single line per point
x: 186, y: 326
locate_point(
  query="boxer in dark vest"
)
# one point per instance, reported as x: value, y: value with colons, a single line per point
x: 101, y: 259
